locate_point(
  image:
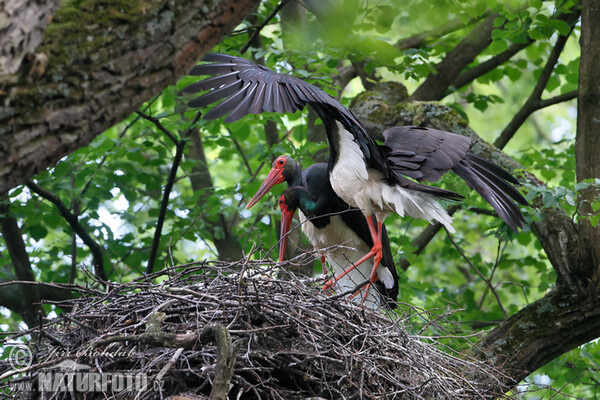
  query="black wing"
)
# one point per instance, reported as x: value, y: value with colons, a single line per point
x: 426, y: 154
x: 248, y: 88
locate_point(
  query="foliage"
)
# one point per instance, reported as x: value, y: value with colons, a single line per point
x: 115, y: 185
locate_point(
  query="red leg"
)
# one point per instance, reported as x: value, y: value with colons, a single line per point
x: 375, y: 251
x: 323, y: 266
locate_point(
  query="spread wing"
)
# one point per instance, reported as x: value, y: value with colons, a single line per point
x: 249, y: 88
x: 244, y: 87
x: 426, y: 154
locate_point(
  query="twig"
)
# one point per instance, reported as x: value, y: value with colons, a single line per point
x: 239, y: 149
x: 169, y: 364
x: 436, y: 84
x: 95, y: 248
x: 159, y: 125
x: 487, y: 281
x: 534, y: 102
x: 264, y: 23
x: 180, y: 146
x: 426, y: 236
x: 418, y: 40
x: 489, y: 65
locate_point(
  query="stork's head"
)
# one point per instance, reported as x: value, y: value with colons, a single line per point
x: 284, y: 168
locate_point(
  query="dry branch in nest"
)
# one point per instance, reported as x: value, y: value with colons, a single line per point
x: 210, y: 329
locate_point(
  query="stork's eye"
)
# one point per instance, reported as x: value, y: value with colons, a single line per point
x: 280, y: 162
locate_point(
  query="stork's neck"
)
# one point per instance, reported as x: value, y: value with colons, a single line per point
x: 295, y: 178
x: 307, y: 204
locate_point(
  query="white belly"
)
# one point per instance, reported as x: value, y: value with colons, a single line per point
x: 365, y: 188
x: 339, y: 259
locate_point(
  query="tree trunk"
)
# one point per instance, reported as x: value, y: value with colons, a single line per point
x: 587, y: 143
x: 101, y: 64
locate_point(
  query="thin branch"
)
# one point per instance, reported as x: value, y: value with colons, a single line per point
x: 489, y: 65
x: 95, y: 248
x: 426, y: 236
x: 159, y: 125
x: 436, y: 84
x: 264, y: 23
x: 180, y: 146
x: 558, y: 99
x: 241, y: 151
x: 498, y: 254
x: 486, y: 280
x: 534, y: 101
x: 163, y: 206
x: 418, y: 40
x: 73, y: 258
x: 105, y: 157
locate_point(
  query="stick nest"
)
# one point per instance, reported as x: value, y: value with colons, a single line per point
x: 240, y: 327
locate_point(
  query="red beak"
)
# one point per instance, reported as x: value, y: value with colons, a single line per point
x: 275, y: 176
x: 286, y: 222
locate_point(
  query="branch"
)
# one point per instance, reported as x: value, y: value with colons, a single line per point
x: 241, y: 151
x: 95, y: 248
x: 180, y: 146
x: 487, y: 281
x: 264, y: 23
x: 418, y: 40
x: 13, y: 239
x: 489, y: 65
x: 436, y: 85
x: 534, y: 102
x: 163, y: 206
x: 226, y: 355
x: 23, y: 27
x: 426, y: 236
x: 105, y: 157
x: 558, y: 322
x: 88, y: 87
x: 159, y: 125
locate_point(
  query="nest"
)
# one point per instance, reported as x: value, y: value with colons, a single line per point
x: 216, y: 328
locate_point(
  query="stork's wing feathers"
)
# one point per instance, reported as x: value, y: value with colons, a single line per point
x: 494, y: 185
x: 249, y: 88
x: 423, y: 154
x: 426, y: 154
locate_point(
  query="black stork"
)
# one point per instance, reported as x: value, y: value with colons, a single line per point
x: 327, y: 221
x: 370, y: 177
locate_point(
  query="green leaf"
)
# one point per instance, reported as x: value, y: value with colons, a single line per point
x: 561, y: 26
x: 38, y: 232
x: 498, y: 46
x: 537, y: 4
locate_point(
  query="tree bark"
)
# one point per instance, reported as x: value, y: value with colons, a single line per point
x: 93, y: 78
x: 587, y: 143
x: 22, y: 25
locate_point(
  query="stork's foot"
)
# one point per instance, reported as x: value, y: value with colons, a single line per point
x: 377, y: 254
